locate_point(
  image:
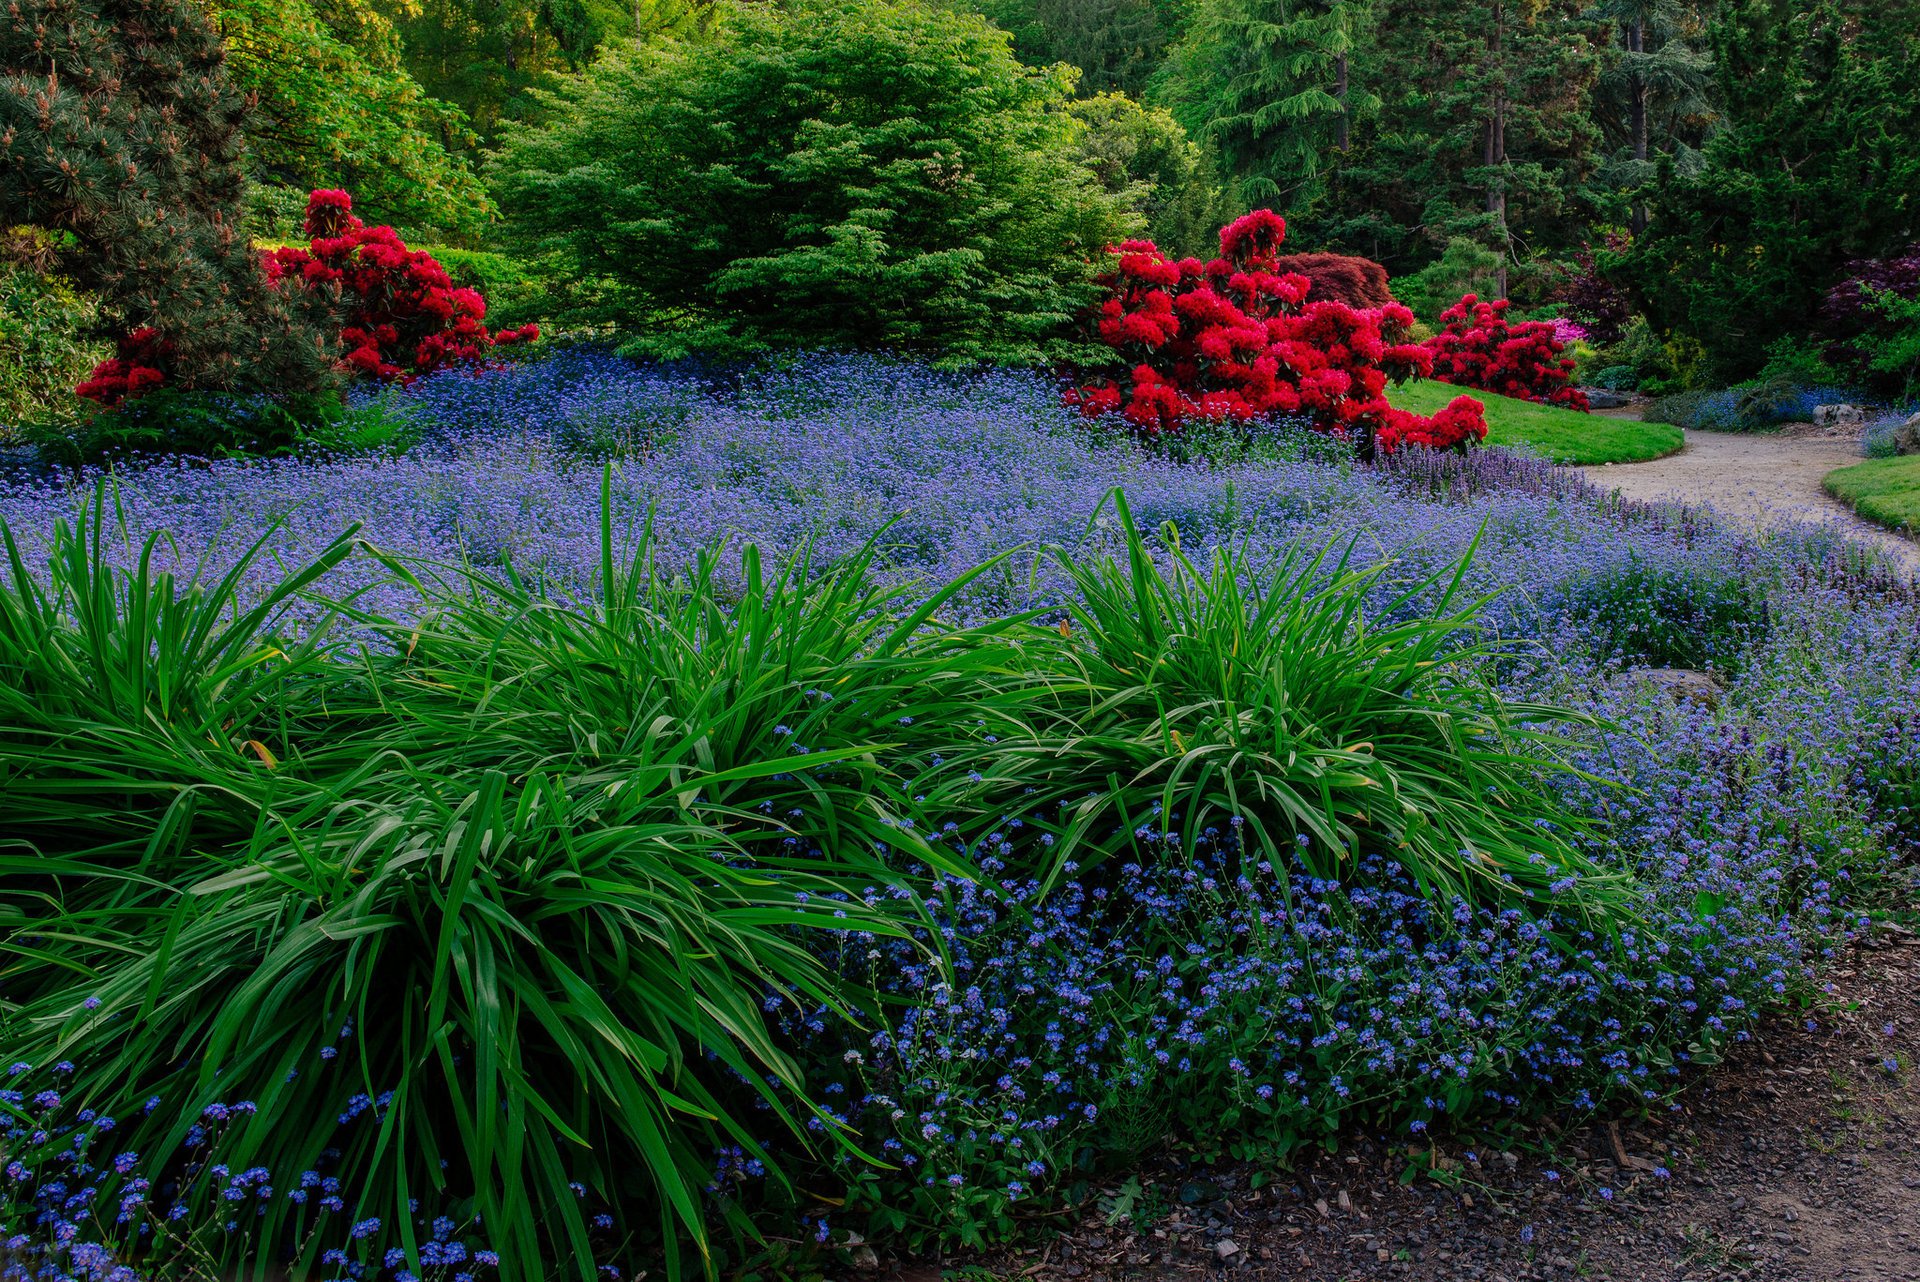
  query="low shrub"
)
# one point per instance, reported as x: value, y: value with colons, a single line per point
x: 1479, y: 347
x: 1749, y: 407
x: 214, y: 425
x: 46, y: 343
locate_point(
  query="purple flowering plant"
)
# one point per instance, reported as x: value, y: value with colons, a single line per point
x: 661, y: 746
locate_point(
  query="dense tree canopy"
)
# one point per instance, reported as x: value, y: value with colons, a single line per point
x: 825, y: 173
x: 335, y: 107
x: 1816, y: 166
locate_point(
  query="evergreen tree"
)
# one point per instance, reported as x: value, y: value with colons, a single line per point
x: 1117, y: 44
x: 1652, y: 93
x: 1484, y: 133
x: 1269, y: 85
x: 1816, y: 166
x: 121, y: 125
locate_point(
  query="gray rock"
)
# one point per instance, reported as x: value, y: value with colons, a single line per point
x: 1684, y: 684
x: 1839, y: 416
x: 1906, y: 437
x: 1603, y: 398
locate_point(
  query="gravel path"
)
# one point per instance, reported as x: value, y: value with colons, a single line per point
x: 1759, y: 479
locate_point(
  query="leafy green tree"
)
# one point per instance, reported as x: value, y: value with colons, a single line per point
x: 484, y: 55
x: 1269, y: 84
x: 121, y: 127
x: 827, y: 173
x: 1143, y: 155
x: 1815, y: 166
x: 336, y: 108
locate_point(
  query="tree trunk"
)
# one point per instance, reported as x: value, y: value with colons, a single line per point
x: 1341, y: 133
x: 1637, y: 109
x: 1496, y: 149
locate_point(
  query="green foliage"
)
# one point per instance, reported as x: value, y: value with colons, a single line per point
x: 1142, y: 155
x: 335, y: 108
x: 1268, y: 83
x: 1795, y: 359
x: 548, y: 853
x: 46, y: 343
x: 483, y: 56
x: 1892, y: 349
x: 854, y: 173
x: 1816, y: 166
x: 209, y: 425
x: 1276, y: 695
x: 1671, y: 618
x: 121, y: 127
x: 536, y: 852
x: 516, y: 293
x: 1466, y: 267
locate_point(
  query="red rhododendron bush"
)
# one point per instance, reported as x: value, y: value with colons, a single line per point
x: 1233, y: 340
x: 1479, y: 347
x: 400, y: 314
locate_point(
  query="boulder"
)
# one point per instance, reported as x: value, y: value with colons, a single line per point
x: 1906, y: 437
x: 1839, y: 416
x: 1684, y: 684
x: 1605, y: 398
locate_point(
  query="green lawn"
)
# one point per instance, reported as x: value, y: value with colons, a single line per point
x: 1565, y: 436
x: 1886, y: 490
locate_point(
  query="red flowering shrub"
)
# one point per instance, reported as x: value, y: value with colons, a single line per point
x: 399, y: 312
x: 138, y: 367
x: 1479, y: 348
x: 1233, y: 340
x: 404, y: 317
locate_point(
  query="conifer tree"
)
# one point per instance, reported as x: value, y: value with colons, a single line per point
x: 1269, y: 83
x: 121, y: 129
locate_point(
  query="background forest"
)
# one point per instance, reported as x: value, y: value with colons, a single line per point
x: 1715, y: 190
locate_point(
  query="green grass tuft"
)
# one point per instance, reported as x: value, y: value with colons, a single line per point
x: 1565, y: 436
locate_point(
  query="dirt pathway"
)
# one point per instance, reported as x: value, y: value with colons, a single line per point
x: 1759, y: 479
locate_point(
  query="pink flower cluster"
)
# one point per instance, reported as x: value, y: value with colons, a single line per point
x: 1479, y: 347
x: 1233, y: 340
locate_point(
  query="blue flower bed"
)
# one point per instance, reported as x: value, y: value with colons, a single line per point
x: 1182, y: 992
